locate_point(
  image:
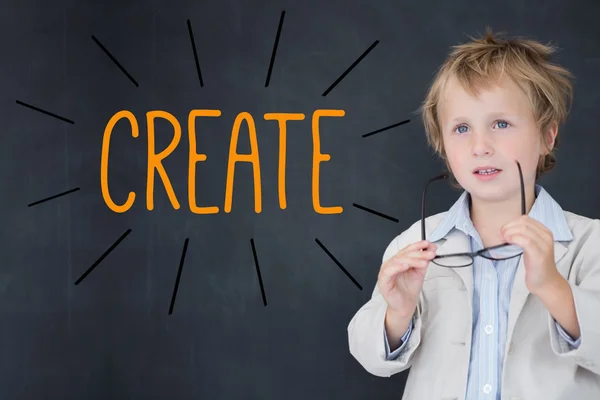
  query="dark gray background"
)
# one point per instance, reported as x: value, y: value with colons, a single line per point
x: 111, y: 337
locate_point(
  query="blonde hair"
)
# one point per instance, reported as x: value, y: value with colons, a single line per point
x: 480, y: 62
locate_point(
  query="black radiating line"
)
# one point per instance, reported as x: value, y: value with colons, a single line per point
x: 114, y: 60
x: 386, y: 128
x: 189, y: 24
x: 103, y: 256
x: 375, y: 212
x: 338, y: 263
x: 52, y: 197
x: 181, y: 261
x: 275, y: 48
x: 347, y: 71
x: 262, y: 288
x: 45, y: 112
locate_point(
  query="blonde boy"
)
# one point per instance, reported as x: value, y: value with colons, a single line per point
x: 525, y: 327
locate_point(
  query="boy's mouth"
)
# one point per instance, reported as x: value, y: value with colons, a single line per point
x: 486, y: 170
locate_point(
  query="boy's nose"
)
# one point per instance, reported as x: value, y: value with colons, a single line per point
x: 480, y: 144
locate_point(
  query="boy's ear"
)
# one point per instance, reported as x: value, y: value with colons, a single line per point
x: 550, y: 137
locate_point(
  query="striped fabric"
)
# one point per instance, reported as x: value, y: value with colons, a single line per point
x: 492, y: 282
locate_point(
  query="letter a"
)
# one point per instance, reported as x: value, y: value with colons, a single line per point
x: 235, y: 157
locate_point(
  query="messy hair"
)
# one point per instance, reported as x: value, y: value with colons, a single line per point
x: 482, y: 61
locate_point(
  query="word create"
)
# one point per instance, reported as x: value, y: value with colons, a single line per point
x: 155, y: 160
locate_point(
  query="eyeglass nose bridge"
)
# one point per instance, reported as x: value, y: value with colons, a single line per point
x: 471, y: 256
x: 455, y: 255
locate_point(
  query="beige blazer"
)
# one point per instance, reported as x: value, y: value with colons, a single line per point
x: 538, y: 362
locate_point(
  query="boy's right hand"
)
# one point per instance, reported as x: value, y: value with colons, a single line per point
x: 401, y: 277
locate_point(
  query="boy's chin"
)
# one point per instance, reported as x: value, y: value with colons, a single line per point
x: 489, y: 194
x: 487, y: 191
x: 488, y: 197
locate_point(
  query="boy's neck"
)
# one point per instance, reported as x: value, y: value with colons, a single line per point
x: 489, y: 217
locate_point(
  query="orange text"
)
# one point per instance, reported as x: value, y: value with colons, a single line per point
x: 155, y: 159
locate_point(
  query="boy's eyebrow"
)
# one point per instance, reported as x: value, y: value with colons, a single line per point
x: 458, y: 119
x: 504, y: 115
x: 491, y: 115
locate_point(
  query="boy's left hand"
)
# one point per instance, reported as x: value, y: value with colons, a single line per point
x: 538, y: 257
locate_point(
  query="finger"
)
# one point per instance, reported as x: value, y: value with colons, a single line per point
x: 421, y: 255
x: 525, y: 242
x: 431, y: 247
x: 413, y: 262
x: 516, y: 222
x: 529, y: 243
x: 401, y: 265
x: 413, y: 256
x: 527, y: 232
x: 422, y: 244
x: 508, y: 232
x: 390, y: 271
x: 541, y: 230
x: 534, y: 222
x: 528, y: 223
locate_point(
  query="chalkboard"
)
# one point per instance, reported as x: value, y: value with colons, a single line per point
x: 104, y: 300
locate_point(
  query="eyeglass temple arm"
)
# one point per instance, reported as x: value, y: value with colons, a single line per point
x: 437, y: 178
x: 523, y: 206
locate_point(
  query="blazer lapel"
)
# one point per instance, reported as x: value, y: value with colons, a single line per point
x: 520, y: 293
x: 458, y: 242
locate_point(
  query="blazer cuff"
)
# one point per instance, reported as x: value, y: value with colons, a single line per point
x: 574, y: 344
x: 587, y: 353
x: 393, y: 355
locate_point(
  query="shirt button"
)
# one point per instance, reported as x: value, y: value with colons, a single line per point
x: 510, y: 348
x: 487, y: 388
x: 489, y: 329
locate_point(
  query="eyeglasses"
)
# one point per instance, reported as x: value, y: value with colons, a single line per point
x: 502, y: 251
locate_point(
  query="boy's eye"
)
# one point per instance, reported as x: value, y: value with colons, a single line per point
x: 463, y: 128
x: 460, y: 128
x: 502, y: 124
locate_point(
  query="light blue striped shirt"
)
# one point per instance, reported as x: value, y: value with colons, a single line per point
x: 492, y: 282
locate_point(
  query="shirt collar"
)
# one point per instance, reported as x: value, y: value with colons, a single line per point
x: 545, y: 210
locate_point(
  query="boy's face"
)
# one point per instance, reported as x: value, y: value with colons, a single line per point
x: 491, y: 130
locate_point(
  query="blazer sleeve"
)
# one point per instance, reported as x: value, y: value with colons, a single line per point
x: 366, y: 331
x: 586, y: 293
x: 390, y: 355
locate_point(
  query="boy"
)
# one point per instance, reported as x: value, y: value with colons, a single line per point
x: 525, y: 326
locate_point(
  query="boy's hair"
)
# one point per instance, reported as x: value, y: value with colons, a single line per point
x: 480, y: 62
